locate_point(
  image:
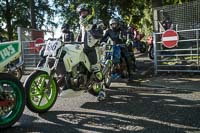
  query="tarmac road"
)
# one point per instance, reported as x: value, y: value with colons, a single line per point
x: 149, y: 104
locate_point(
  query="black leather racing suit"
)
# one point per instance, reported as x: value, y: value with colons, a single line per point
x: 68, y: 36
x: 117, y: 38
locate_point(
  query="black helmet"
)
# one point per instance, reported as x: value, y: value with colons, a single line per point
x: 65, y: 28
x: 83, y: 7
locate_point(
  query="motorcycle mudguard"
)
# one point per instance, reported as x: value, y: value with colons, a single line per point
x: 45, y: 69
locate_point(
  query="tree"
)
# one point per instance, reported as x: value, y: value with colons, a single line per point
x: 133, y: 12
x: 13, y: 14
x: 16, y: 13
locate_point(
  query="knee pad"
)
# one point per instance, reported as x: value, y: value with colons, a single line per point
x: 99, y: 76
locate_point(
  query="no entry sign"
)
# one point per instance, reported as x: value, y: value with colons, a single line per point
x: 170, y: 38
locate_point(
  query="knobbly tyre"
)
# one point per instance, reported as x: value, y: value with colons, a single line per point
x: 12, y: 93
x: 44, y: 84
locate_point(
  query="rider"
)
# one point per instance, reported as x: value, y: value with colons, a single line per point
x: 91, y: 39
x: 131, y: 37
x: 67, y: 34
x: 118, y: 36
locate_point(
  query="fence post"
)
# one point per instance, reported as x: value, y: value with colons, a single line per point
x: 154, y: 53
x: 19, y: 33
x: 197, y: 37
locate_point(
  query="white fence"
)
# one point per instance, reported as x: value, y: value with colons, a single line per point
x: 182, y: 58
x: 30, y: 53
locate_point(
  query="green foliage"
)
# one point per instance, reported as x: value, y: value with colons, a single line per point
x: 17, y: 13
x: 171, y: 2
x: 133, y: 12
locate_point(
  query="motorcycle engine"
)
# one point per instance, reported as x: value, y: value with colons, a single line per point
x: 79, y: 77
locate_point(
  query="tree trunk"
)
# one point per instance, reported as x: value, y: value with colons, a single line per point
x: 32, y: 11
x: 8, y: 21
x: 157, y: 3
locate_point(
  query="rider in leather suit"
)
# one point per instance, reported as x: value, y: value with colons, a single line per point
x: 87, y: 23
x: 67, y: 35
x: 118, y: 36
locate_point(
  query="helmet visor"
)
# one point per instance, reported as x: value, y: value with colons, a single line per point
x: 114, y: 25
x: 84, y: 13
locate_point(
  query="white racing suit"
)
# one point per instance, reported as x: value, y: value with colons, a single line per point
x: 91, y: 35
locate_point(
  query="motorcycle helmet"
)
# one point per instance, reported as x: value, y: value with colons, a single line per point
x: 65, y: 28
x: 86, y: 12
x: 113, y: 24
x: 83, y: 7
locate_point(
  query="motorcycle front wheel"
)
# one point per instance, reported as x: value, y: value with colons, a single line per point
x: 41, y: 92
x: 12, y: 100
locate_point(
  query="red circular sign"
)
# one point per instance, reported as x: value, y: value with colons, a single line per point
x: 38, y: 41
x: 170, y: 38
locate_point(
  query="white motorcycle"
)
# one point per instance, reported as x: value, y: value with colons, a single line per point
x: 63, y: 61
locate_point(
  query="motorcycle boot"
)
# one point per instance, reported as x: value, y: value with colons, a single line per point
x: 101, y: 96
x: 98, y: 87
x: 101, y: 93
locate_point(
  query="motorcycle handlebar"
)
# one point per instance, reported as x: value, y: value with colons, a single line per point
x: 40, y: 44
x: 73, y: 42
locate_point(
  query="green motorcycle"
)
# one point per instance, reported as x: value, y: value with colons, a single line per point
x: 12, y: 93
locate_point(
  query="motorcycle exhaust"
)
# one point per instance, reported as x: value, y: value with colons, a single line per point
x: 13, y: 68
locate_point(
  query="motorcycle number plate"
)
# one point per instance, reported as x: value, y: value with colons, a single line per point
x: 52, y: 47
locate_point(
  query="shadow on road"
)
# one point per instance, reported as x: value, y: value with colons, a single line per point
x: 153, y: 110
x: 124, y: 111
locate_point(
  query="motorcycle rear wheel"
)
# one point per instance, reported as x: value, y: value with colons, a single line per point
x: 12, y: 100
x: 17, y: 73
x: 40, y: 98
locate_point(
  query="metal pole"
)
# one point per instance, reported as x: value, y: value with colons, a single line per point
x: 19, y: 33
x: 155, y: 53
x: 197, y: 37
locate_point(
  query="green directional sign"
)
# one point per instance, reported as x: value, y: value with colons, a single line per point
x: 8, y: 49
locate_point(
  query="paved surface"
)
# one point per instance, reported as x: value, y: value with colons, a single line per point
x: 161, y: 104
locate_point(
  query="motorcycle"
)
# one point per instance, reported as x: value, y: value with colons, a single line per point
x: 15, y: 69
x: 12, y: 93
x: 44, y: 84
x: 13, y: 65
x: 118, y: 64
x: 150, y: 49
x: 138, y: 44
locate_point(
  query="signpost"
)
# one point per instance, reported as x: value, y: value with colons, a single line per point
x: 170, y: 38
x: 33, y: 47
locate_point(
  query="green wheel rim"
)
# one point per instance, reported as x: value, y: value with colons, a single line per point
x: 42, y: 97
x: 18, y: 101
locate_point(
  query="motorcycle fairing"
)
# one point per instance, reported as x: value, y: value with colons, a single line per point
x: 9, y: 51
x: 75, y: 55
